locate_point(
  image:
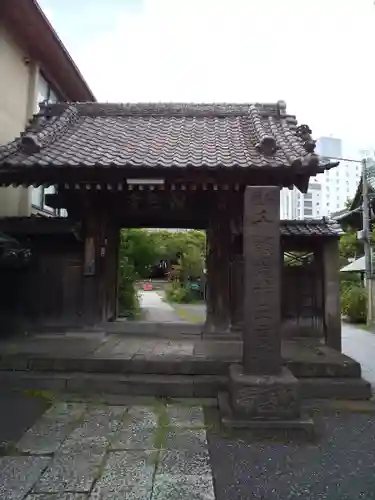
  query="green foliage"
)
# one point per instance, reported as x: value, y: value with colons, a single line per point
x: 191, y: 264
x: 350, y: 247
x: 354, y: 301
x: 178, y: 293
x: 141, y: 249
x: 348, y: 203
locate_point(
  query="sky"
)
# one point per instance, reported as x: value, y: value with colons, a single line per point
x: 317, y: 55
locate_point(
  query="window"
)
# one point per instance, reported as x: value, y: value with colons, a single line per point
x: 45, y: 91
x: 308, y: 211
x: 48, y: 190
x: 48, y: 94
x: 37, y: 196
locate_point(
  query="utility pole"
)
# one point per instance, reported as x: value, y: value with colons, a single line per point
x: 367, y: 243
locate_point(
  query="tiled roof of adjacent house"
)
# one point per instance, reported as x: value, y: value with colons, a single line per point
x: 310, y: 227
x: 164, y: 135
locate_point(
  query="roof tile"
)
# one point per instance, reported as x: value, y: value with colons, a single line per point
x: 310, y: 227
x: 163, y: 135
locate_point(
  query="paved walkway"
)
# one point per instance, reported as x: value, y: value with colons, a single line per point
x: 155, y: 309
x: 138, y: 449
x: 359, y: 344
x: 79, y: 451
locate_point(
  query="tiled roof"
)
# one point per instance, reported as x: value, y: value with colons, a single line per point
x: 310, y: 227
x: 164, y: 135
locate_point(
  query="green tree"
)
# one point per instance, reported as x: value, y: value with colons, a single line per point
x: 348, y: 203
x: 350, y: 246
x: 191, y: 264
x: 141, y: 249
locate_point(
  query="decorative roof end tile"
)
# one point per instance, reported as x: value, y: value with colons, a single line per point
x: 267, y: 146
x: 30, y: 144
x: 313, y: 160
x: 304, y: 133
x: 281, y: 108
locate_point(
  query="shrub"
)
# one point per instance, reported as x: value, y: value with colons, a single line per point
x: 354, y: 302
x: 128, y: 302
x: 179, y: 294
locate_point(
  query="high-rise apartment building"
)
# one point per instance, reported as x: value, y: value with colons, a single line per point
x: 340, y: 183
x: 327, y: 192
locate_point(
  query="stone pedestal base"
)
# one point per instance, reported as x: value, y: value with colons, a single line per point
x: 264, y: 428
x: 263, y: 402
x: 264, y: 396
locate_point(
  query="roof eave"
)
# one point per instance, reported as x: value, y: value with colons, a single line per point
x: 29, y: 25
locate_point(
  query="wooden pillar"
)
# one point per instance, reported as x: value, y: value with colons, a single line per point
x: 209, y: 296
x: 218, y: 281
x: 261, y: 249
x: 331, y: 290
x: 95, y: 262
x: 236, y: 292
x: 236, y: 269
x: 113, y: 242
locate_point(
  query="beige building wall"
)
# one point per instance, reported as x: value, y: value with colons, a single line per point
x: 18, y: 98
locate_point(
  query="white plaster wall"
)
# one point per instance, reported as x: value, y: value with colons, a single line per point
x: 17, y: 98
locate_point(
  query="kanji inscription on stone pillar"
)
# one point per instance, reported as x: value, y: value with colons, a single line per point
x: 261, y: 241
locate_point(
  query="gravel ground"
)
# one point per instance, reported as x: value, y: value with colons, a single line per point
x: 340, y: 465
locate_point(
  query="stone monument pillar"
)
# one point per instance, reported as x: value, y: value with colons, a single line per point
x: 262, y: 392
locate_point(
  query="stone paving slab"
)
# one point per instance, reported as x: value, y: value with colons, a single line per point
x: 184, y: 462
x: 51, y: 430
x: 185, y: 439
x: 19, y: 474
x: 130, y: 492
x: 128, y: 468
x: 171, y: 487
x: 135, y: 438
x: 143, y: 416
x: 143, y: 449
x: 57, y: 496
x: 185, y: 416
x: 71, y: 473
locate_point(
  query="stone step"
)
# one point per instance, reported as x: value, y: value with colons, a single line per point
x: 142, y: 365
x: 335, y: 388
x: 169, y: 385
x: 164, y: 365
x: 143, y: 329
x: 177, y: 386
